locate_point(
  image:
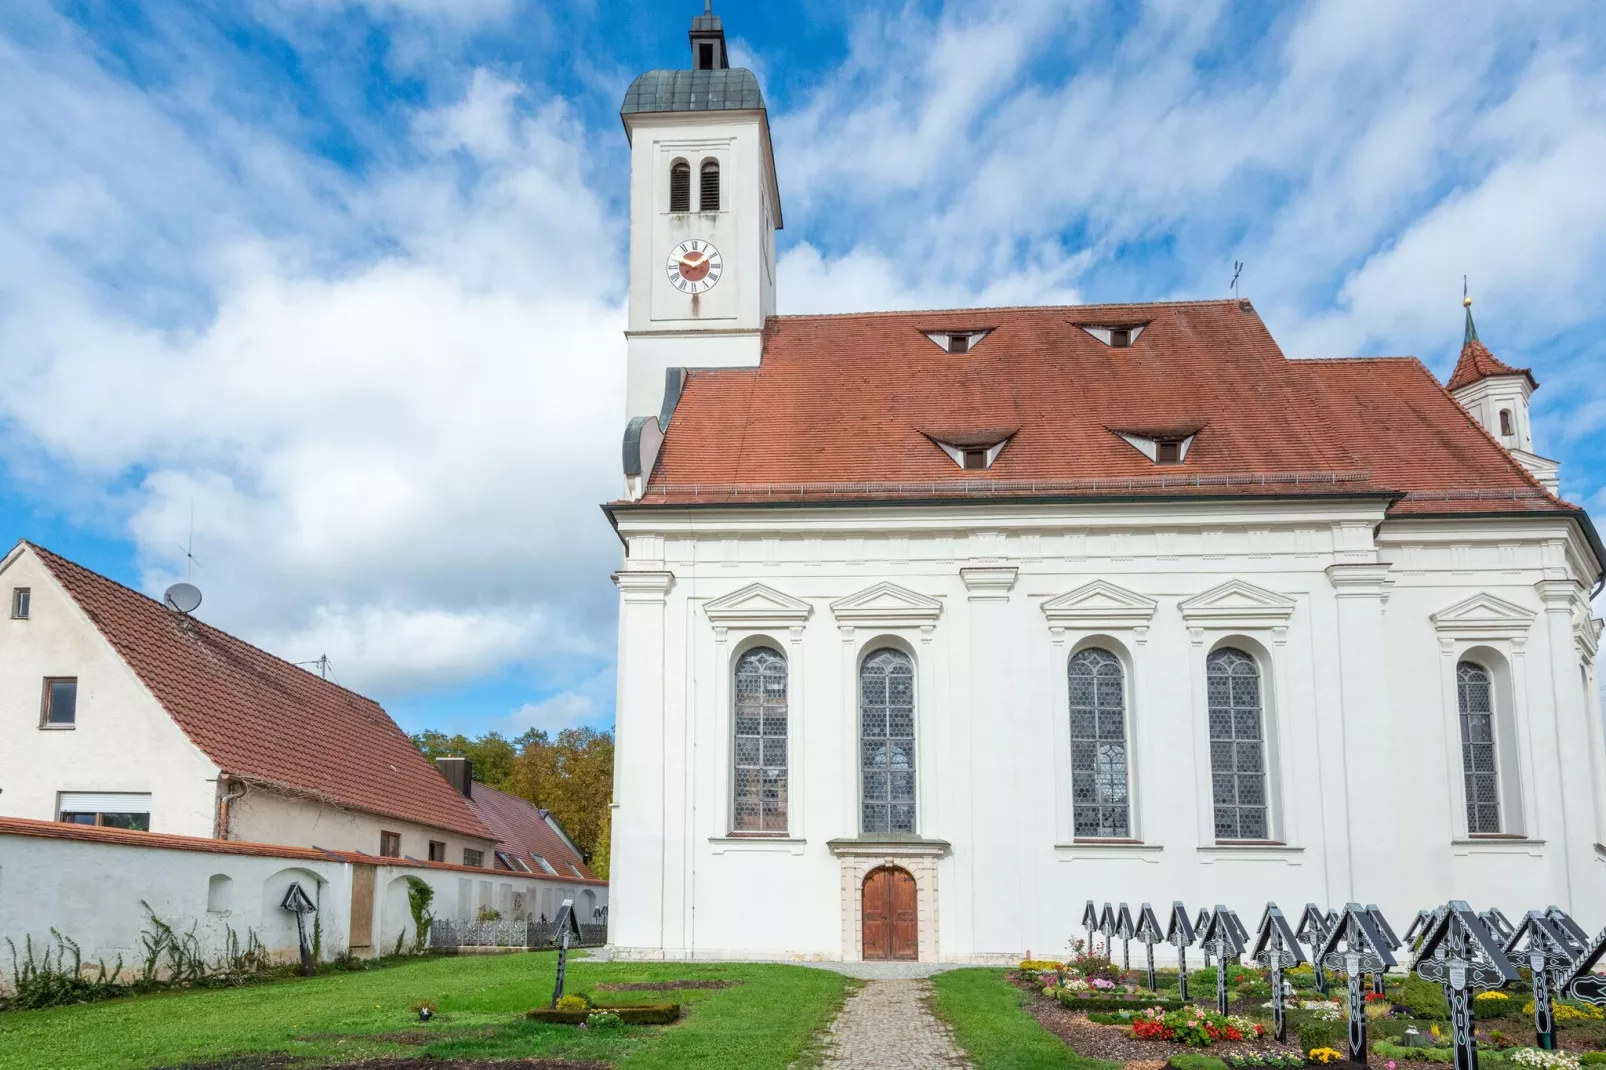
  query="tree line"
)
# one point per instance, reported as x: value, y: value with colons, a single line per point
x: 570, y: 774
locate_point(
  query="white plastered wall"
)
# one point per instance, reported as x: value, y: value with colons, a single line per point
x: 266, y: 816
x: 123, y: 741
x: 1363, y: 769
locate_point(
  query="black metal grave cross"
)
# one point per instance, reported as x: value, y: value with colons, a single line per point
x: 1090, y: 922
x: 1179, y: 934
x: 1581, y: 982
x: 567, y: 926
x: 1276, y: 946
x: 1148, y: 933
x: 1459, y: 953
x: 1221, y: 936
x: 1312, y: 932
x: 1107, y: 929
x: 1550, y: 954
x: 300, y: 904
x: 1125, y: 930
x: 1365, y: 951
x: 1390, y: 941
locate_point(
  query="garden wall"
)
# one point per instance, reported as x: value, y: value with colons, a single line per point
x: 92, y: 884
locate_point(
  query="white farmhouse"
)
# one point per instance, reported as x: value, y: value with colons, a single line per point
x: 934, y: 625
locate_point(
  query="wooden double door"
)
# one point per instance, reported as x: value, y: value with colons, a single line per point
x: 891, y: 915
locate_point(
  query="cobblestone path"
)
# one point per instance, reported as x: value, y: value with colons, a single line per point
x: 887, y: 1026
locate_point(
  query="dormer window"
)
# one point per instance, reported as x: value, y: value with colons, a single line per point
x: 972, y: 450
x: 1115, y: 335
x: 1162, y: 445
x: 957, y: 342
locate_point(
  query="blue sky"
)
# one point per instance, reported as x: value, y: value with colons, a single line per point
x: 342, y: 279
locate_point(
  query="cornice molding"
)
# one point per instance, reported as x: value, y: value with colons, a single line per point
x: 994, y: 581
x: 1238, y: 604
x: 1101, y: 606
x: 643, y: 586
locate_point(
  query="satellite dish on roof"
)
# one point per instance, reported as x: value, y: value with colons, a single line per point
x: 183, y: 598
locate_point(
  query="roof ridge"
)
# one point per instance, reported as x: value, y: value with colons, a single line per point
x: 45, y: 551
x: 1190, y: 303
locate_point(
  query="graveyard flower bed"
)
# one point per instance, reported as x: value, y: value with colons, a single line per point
x: 1194, y: 1026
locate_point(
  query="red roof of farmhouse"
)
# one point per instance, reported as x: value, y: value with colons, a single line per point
x: 851, y: 407
x: 259, y: 718
x: 521, y: 829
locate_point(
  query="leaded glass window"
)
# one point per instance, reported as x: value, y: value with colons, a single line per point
x: 887, y: 742
x: 1237, y: 746
x: 761, y: 787
x: 1098, y: 745
x: 1475, y: 699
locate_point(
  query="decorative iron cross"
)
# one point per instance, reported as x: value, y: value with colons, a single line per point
x: 1148, y: 933
x: 1125, y: 930
x: 1179, y: 934
x: 1277, y: 947
x: 1313, y: 929
x: 1365, y: 950
x: 1459, y: 953
x: 1107, y: 929
x: 1221, y: 936
x: 300, y: 904
x: 1549, y: 951
x: 1581, y: 982
x: 1090, y: 922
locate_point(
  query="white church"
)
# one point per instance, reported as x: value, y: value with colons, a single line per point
x: 935, y: 625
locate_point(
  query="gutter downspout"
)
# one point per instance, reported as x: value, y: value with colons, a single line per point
x: 221, y: 831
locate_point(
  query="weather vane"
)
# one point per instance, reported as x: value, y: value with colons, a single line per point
x: 1237, y: 269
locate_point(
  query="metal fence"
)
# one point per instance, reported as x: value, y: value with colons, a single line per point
x: 446, y: 933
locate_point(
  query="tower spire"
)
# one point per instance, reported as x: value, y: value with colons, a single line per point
x: 708, y: 41
x: 1466, y: 303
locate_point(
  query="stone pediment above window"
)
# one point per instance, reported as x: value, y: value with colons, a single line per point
x: 1100, y: 605
x: 757, y: 606
x: 1483, y: 616
x: 1238, y: 604
x: 886, y: 605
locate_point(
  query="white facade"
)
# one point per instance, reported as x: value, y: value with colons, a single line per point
x: 1356, y: 625
x: 123, y: 742
x: 723, y: 326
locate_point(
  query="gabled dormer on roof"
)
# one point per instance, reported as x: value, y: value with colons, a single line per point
x: 972, y: 449
x: 1496, y: 395
x: 1121, y: 335
x: 954, y: 340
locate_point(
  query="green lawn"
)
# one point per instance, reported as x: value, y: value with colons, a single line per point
x: 764, y: 1022
x: 991, y: 1024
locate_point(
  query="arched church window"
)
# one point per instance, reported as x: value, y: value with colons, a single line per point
x: 680, y: 186
x: 760, y: 752
x: 887, y: 742
x: 1505, y: 422
x: 1475, y: 697
x: 1098, y: 745
x: 1237, y: 746
x: 708, y: 197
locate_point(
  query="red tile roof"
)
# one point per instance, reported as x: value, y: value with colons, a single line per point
x: 521, y: 829
x: 838, y: 407
x: 262, y: 719
x: 1477, y: 363
x: 61, y: 830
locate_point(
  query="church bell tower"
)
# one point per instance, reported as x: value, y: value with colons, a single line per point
x: 704, y: 208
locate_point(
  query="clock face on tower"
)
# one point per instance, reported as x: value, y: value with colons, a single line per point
x: 694, y: 266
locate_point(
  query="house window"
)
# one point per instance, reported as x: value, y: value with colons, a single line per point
x: 959, y: 343
x: 1120, y: 337
x: 21, y: 597
x: 1505, y: 422
x: 60, y: 707
x: 1237, y: 746
x: 437, y: 851
x: 705, y: 56
x: 116, y: 810
x: 761, y: 766
x: 887, y: 742
x: 1475, y: 696
x: 708, y: 194
x: 1168, y: 452
x: 680, y: 186
x: 390, y: 845
x: 546, y: 867
x: 472, y: 857
x: 1098, y: 745
x: 975, y: 458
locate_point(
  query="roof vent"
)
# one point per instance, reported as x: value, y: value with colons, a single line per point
x: 958, y: 341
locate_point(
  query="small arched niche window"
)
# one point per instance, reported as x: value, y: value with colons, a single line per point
x: 1237, y: 746
x: 708, y: 193
x: 760, y: 755
x: 1098, y: 745
x: 680, y: 186
x: 1475, y: 698
x: 887, y: 742
x: 1505, y: 422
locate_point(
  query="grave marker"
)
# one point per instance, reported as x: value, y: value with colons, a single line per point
x: 1179, y: 934
x: 1148, y: 932
x: 1550, y: 953
x: 1276, y: 946
x: 1459, y: 953
x: 1365, y: 951
x: 1221, y: 935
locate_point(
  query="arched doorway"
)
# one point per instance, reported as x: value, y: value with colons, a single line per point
x: 891, y: 918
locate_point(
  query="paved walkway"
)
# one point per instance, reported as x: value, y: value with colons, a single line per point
x: 886, y: 1025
